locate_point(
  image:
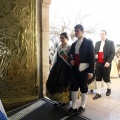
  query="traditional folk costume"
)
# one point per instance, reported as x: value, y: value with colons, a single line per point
x: 114, y: 69
x: 58, y: 82
x: 118, y: 55
x: 82, y: 52
x: 106, y: 52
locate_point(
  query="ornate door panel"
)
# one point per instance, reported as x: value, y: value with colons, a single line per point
x: 18, y: 70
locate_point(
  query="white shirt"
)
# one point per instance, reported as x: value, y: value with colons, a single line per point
x: 82, y: 66
x: 78, y: 44
x: 101, y: 46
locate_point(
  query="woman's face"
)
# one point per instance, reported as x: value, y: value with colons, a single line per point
x: 63, y: 39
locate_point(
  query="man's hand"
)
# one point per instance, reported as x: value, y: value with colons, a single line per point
x: 107, y: 64
x: 72, y: 62
x: 96, y: 56
x: 90, y: 76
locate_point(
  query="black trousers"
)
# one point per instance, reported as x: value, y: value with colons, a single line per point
x: 102, y: 72
x: 79, y: 80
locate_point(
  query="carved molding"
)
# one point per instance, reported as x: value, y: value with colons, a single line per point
x: 45, y: 15
x: 46, y: 2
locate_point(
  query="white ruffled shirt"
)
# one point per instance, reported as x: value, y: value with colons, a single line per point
x: 102, y: 46
x: 78, y: 44
x: 82, y: 66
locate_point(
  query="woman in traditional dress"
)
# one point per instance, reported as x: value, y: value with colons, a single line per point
x: 114, y: 70
x: 118, y: 56
x: 58, y: 83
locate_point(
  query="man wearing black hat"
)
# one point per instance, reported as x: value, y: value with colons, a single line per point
x: 82, y: 62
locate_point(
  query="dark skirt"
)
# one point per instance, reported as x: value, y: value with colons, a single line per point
x: 58, y: 83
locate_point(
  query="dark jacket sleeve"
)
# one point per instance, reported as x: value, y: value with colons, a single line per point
x: 96, y: 48
x: 112, y: 50
x: 91, y: 57
x: 70, y: 53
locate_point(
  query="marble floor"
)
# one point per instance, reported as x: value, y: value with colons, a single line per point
x: 106, y: 107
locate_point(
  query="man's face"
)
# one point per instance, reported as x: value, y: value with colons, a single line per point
x: 78, y: 33
x: 103, y: 35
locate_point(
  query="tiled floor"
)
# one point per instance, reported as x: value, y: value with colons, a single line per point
x: 106, y: 107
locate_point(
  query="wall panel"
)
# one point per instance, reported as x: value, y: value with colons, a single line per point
x: 18, y: 55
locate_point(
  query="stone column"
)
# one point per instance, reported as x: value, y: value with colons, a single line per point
x: 43, y: 41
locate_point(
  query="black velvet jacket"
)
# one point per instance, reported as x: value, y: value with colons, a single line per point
x: 108, y: 50
x: 86, y: 53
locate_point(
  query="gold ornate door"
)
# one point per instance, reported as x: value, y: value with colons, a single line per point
x: 18, y: 55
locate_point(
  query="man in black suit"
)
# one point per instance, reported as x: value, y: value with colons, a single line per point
x: 82, y: 61
x: 104, y: 54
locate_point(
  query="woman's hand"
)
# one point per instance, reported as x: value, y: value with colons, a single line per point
x: 72, y: 62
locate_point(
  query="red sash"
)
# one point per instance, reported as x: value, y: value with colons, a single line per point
x: 101, y: 57
x: 77, y: 60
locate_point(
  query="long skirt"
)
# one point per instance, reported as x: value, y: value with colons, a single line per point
x: 58, y: 83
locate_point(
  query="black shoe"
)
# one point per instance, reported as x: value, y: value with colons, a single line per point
x: 81, y: 110
x: 91, y: 90
x: 63, y: 104
x: 72, y: 111
x: 56, y: 104
x: 96, y: 96
x: 108, y: 92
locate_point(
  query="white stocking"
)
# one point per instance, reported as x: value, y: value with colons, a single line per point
x: 74, y: 97
x: 108, y: 85
x: 98, y: 84
x: 83, y: 99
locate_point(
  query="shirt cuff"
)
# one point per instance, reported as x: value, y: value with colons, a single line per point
x: 90, y: 73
